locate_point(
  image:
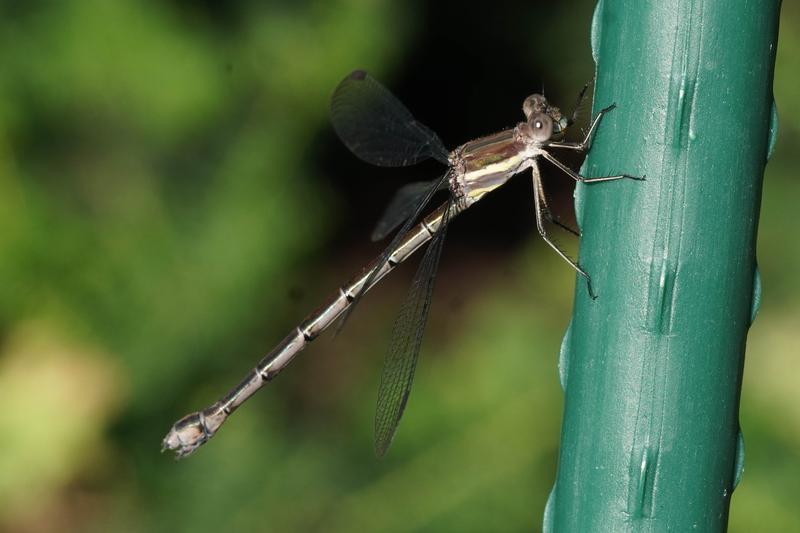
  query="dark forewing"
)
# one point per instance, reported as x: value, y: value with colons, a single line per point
x: 401, y: 361
x: 402, y: 206
x: 379, y: 129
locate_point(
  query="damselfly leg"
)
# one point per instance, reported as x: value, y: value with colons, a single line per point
x: 586, y: 144
x: 538, y: 196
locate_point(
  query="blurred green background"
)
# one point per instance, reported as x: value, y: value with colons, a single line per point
x: 173, y: 201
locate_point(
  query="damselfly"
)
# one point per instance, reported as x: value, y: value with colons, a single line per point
x: 377, y: 128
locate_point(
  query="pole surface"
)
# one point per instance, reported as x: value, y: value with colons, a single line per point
x: 652, y: 368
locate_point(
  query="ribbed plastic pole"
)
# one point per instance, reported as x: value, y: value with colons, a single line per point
x: 652, y: 368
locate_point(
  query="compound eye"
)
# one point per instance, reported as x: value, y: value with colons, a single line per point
x: 535, y: 103
x: 541, y: 126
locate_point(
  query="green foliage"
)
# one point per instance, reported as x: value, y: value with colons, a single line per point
x: 156, y: 201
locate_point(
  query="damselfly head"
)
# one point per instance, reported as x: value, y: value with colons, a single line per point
x: 544, y: 120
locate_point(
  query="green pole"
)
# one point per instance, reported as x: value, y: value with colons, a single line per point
x: 652, y: 368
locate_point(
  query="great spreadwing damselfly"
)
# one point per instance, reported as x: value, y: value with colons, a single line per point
x: 379, y: 129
